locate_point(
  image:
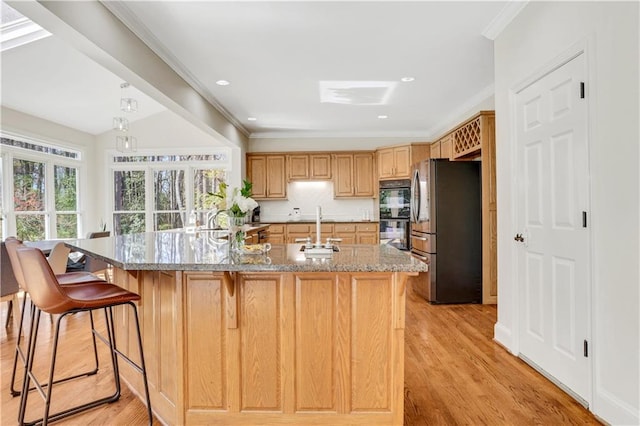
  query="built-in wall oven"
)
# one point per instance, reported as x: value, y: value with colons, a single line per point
x: 395, y: 213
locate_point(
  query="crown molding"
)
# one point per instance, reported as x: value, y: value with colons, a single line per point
x: 121, y: 11
x: 346, y: 135
x: 503, y: 18
x: 20, y: 32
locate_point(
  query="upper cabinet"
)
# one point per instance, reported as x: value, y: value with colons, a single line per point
x: 353, y: 175
x: 267, y: 174
x: 309, y: 166
x: 441, y: 148
x: 395, y: 162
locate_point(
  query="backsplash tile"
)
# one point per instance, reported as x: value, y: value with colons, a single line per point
x: 307, y: 195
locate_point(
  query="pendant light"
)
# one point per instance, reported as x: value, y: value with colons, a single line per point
x: 125, y: 142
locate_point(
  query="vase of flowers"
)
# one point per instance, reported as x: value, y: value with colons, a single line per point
x: 236, y: 203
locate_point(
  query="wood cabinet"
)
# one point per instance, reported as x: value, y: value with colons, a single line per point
x: 245, y: 348
x: 304, y: 230
x: 367, y: 233
x: 441, y: 148
x: 309, y: 166
x: 277, y: 233
x: 396, y: 162
x: 267, y: 174
x: 346, y: 232
x: 349, y: 232
x: 353, y: 175
x: 434, y: 150
x: 445, y: 147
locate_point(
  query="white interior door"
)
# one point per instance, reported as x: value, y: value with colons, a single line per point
x: 553, y: 253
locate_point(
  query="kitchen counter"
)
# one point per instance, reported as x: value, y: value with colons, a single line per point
x: 209, y: 251
x: 262, y: 339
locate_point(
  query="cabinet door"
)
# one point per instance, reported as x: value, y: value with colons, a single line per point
x: 343, y: 175
x: 367, y: 238
x: 276, y: 182
x: 386, y: 163
x: 363, y: 175
x: 320, y: 166
x: 257, y: 175
x: 435, y: 150
x: 445, y: 147
x: 402, y: 160
x: 298, y: 167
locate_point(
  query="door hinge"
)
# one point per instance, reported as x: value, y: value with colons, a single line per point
x: 586, y: 349
x: 584, y: 219
x: 582, y: 90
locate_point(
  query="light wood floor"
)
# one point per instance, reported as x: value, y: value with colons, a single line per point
x: 454, y: 375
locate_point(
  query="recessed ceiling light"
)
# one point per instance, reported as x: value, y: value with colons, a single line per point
x: 222, y: 83
x: 407, y: 79
x: 251, y: 118
x: 382, y: 117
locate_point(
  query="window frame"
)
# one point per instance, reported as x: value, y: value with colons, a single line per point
x: 7, y: 156
x: 150, y: 167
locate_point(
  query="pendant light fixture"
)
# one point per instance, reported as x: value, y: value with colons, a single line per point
x: 125, y: 142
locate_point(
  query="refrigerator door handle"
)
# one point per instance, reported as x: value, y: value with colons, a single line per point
x: 415, y: 196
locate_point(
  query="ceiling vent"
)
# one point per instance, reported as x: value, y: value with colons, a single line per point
x: 356, y: 92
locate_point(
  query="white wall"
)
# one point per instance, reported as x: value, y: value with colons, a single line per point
x: 541, y: 32
x: 47, y: 131
x: 163, y: 132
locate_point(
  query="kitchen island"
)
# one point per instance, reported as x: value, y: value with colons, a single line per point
x: 267, y: 338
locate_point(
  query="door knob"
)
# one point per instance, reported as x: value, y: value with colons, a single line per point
x: 519, y: 238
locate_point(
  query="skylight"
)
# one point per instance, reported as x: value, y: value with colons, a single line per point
x: 16, y: 29
x: 356, y: 92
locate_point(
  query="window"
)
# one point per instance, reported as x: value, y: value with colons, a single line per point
x: 42, y: 190
x: 157, y: 192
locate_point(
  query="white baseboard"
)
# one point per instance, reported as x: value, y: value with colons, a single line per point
x: 502, y: 335
x: 613, y: 410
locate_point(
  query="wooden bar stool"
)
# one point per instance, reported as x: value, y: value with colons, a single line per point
x: 12, y: 244
x: 50, y: 297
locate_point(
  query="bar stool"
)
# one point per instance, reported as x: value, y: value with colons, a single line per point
x: 50, y: 297
x: 12, y: 244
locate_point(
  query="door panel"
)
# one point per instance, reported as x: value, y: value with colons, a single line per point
x: 553, y: 255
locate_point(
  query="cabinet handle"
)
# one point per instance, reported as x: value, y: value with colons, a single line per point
x: 418, y: 256
x: 419, y: 238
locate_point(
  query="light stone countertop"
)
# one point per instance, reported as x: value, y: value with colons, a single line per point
x: 205, y: 251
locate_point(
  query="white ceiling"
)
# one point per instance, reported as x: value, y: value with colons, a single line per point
x: 276, y: 56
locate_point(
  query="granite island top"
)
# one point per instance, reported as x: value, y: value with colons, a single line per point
x: 206, y: 251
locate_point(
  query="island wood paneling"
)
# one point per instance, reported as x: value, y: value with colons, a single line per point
x: 260, y: 375
x: 247, y: 348
x: 315, y: 344
x: 205, y: 334
x: 371, y: 345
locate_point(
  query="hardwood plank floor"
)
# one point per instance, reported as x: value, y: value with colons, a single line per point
x: 454, y: 375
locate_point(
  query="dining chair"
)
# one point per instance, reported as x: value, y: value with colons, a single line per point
x: 12, y: 244
x: 49, y: 296
x: 9, y: 288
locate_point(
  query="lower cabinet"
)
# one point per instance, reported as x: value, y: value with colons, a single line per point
x: 300, y: 346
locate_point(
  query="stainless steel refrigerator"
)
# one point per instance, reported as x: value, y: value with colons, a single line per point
x: 446, y: 230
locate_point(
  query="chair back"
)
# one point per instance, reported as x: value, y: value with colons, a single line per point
x: 43, y: 287
x: 58, y: 258
x: 12, y: 244
x: 8, y: 281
